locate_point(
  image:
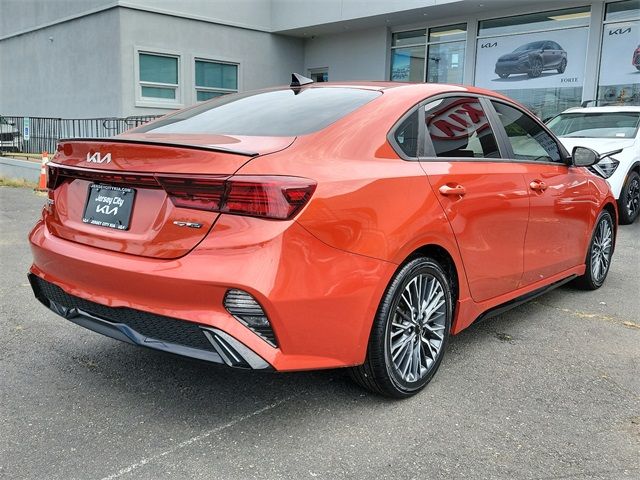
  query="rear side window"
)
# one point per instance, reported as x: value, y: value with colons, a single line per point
x: 279, y: 113
x: 406, y: 135
x: 458, y: 127
x: 527, y: 137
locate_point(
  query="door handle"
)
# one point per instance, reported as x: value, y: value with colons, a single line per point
x: 538, y: 185
x: 449, y: 190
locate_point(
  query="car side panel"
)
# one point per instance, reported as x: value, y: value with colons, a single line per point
x: 560, y: 220
x: 489, y: 222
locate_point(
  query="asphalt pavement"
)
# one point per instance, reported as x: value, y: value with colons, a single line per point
x: 550, y: 390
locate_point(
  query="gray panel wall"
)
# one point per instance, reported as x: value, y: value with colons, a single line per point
x: 246, y: 13
x: 265, y: 59
x: 291, y: 14
x: 358, y: 55
x: 67, y: 70
x: 19, y: 15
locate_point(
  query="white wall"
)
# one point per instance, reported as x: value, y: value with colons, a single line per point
x: 358, y: 55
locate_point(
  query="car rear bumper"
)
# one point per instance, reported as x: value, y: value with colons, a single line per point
x: 320, y: 301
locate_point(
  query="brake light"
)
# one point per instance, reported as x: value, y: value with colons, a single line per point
x: 271, y: 197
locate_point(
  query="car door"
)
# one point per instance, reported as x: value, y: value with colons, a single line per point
x: 483, y: 196
x: 548, y: 55
x: 561, y: 197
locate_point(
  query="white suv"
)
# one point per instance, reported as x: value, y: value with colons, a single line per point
x: 606, y: 129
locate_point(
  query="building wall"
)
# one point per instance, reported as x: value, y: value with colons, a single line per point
x: 265, y: 59
x: 294, y: 14
x: 20, y: 15
x: 359, y: 55
x: 70, y: 70
x: 253, y: 14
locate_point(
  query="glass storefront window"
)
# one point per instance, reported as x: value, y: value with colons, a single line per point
x: 445, y: 54
x: 414, y: 37
x: 537, y: 59
x: 619, y: 81
x: 448, y: 34
x: 555, y: 19
x: 407, y: 56
x: 407, y: 64
x: 625, y: 10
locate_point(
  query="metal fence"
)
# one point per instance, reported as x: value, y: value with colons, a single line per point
x: 44, y: 133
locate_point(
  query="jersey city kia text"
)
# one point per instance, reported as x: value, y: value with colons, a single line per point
x: 319, y: 226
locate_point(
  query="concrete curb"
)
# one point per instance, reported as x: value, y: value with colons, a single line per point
x: 20, y: 169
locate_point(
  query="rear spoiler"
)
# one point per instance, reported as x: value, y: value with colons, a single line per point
x: 210, y: 148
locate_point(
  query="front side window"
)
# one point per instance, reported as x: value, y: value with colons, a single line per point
x: 158, y: 75
x: 459, y: 127
x: 214, y: 79
x: 528, y: 139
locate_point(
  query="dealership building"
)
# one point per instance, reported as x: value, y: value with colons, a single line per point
x: 118, y: 58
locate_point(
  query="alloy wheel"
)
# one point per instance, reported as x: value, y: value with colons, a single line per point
x: 536, y: 68
x: 601, y: 250
x: 633, y: 197
x: 417, y: 328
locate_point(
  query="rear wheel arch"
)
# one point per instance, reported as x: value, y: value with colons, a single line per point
x: 444, y: 258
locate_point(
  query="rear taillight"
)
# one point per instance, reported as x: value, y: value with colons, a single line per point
x: 52, y: 177
x: 271, y: 197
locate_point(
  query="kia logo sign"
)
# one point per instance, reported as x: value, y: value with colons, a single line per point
x: 458, y: 120
x: 98, y: 158
x: 489, y: 45
x: 620, y: 31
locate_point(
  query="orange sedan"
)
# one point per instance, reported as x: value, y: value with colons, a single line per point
x: 319, y: 226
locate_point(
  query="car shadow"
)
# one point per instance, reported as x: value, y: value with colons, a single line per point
x: 133, y: 374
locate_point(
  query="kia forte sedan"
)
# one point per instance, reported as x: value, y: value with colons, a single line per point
x: 532, y: 59
x: 319, y: 226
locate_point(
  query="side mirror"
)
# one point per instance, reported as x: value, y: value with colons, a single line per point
x: 584, y: 157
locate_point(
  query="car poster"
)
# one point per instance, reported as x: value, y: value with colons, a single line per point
x: 553, y: 59
x: 620, y: 64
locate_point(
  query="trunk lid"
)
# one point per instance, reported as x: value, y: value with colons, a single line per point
x: 118, y: 182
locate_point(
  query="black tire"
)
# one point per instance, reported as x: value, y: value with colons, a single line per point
x: 503, y: 75
x: 563, y: 66
x: 379, y: 373
x: 590, y: 280
x: 629, y: 202
x: 536, y: 68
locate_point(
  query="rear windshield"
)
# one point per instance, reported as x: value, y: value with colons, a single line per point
x: 596, y: 125
x: 279, y: 113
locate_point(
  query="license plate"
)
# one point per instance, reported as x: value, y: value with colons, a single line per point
x: 109, y: 206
